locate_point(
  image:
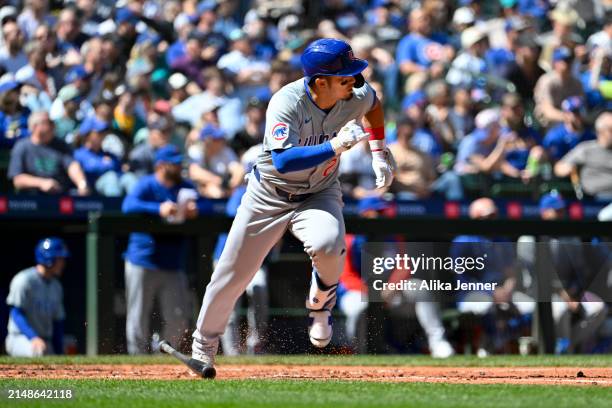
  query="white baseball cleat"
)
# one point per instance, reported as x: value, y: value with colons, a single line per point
x: 441, y: 349
x: 320, y: 328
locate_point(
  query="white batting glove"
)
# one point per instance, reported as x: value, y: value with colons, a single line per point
x: 384, y: 166
x: 348, y: 136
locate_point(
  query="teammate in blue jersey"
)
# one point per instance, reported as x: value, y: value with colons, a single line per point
x: 36, y: 321
x: 294, y: 186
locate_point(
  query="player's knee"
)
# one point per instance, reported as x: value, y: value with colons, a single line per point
x: 328, y: 245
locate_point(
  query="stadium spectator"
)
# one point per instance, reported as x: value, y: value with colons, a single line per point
x: 523, y: 153
x: 597, y: 74
x: 416, y: 175
x: 505, y: 311
x: 214, y: 167
x: 12, y: 57
x: 422, y: 51
x: 34, y: 14
x: 102, y: 169
x: 154, y: 266
x: 253, y: 132
x: 524, y: 72
x: 482, y: 151
x: 178, y: 88
x: 564, y: 137
x: 142, y: 157
x: 70, y: 38
x: 66, y: 126
x: 424, y: 139
x: 36, y: 298
x: 467, y: 68
x: 555, y: 86
x: 563, y: 19
x: 43, y: 163
x: 13, y: 116
x: 39, y: 75
x: 241, y: 65
x: 592, y: 160
x: 460, y: 115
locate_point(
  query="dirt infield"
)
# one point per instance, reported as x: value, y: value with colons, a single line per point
x: 464, y: 375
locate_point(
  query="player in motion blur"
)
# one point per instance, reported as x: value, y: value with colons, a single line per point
x: 295, y: 186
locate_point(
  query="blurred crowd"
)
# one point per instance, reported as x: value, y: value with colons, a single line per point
x: 481, y: 98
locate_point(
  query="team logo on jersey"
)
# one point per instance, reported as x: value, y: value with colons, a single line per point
x: 433, y: 51
x: 280, y: 131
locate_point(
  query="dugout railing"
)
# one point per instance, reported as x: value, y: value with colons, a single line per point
x: 102, y: 253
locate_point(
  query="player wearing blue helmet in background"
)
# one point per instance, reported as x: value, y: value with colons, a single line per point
x: 36, y: 321
x: 294, y: 186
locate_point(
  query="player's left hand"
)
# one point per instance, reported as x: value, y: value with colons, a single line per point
x: 384, y: 166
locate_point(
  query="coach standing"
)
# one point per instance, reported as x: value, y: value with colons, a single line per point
x: 36, y: 322
x: 153, y: 264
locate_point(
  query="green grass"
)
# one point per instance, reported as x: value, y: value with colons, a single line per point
x: 367, y: 360
x: 336, y: 394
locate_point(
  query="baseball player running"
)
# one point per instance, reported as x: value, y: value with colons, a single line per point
x: 36, y: 298
x: 294, y: 185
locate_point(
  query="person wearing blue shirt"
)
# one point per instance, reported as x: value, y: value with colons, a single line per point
x: 565, y: 136
x: 523, y: 151
x: 154, y: 264
x: 102, y: 169
x: 420, y: 50
x: 13, y: 118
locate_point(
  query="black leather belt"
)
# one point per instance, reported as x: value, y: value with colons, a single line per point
x: 293, y: 198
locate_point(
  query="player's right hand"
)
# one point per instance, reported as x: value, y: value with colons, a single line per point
x: 348, y: 136
x: 38, y: 346
x: 167, y: 209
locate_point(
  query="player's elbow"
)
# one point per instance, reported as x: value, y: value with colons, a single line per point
x: 281, y: 164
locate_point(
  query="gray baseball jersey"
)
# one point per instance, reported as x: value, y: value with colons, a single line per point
x: 41, y: 300
x: 293, y: 119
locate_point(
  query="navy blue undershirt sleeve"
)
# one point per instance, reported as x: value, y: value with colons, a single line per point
x: 301, y: 157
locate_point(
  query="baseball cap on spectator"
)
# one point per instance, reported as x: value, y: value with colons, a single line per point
x: 69, y: 93
x: 415, y: 98
x: 486, y: 118
x: 162, y: 106
x: 471, y: 36
x: 8, y: 84
x: 206, y: 5
x: 565, y: 15
x: 177, y: 81
x: 552, y: 201
x: 92, y: 124
x: 168, y: 154
x: 372, y: 203
x: 125, y: 15
x: 77, y: 72
x: 211, y: 131
x: 464, y: 15
x: 562, y: 54
x: 572, y: 104
x: 237, y: 34
x: 8, y: 12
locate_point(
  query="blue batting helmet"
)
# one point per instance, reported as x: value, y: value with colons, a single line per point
x: 49, y: 249
x: 332, y: 57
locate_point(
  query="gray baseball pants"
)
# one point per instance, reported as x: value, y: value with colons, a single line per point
x: 262, y: 219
